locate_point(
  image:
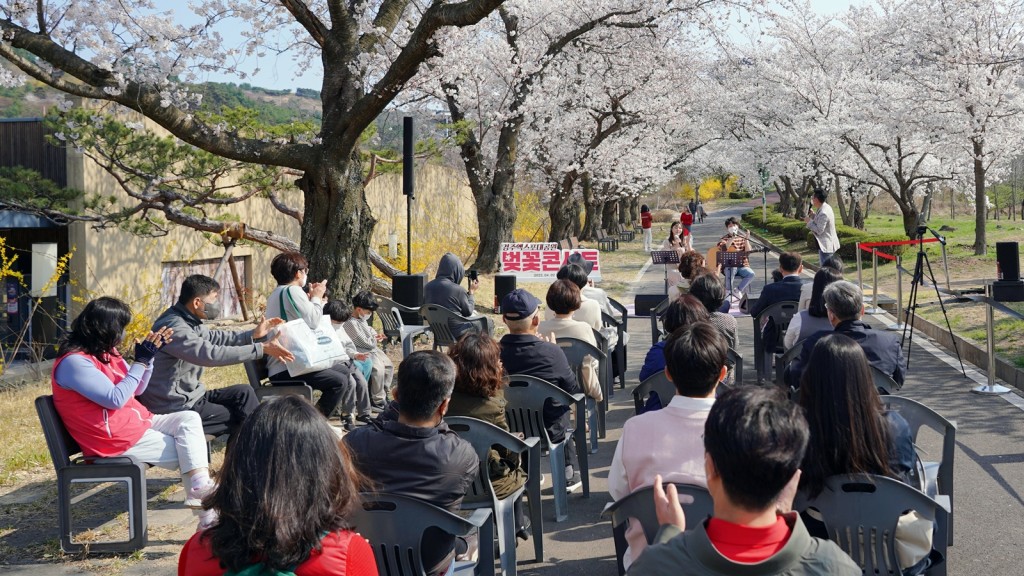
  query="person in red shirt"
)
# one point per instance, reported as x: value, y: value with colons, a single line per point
x: 752, y: 473
x: 686, y: 217
x: 645, y: 223
x: 284, y: 496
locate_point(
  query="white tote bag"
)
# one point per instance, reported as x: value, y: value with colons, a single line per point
x: 314, y: 349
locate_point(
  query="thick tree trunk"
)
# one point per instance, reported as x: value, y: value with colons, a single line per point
x: 980, y: 208
x: 609, y: 213
x: 844, y: 214
x: 496, y: 218
x: 337, y: 226
x: 562, y: 210
x: 786, y: 195
x: 634, y: 210
x: 592, y: 210
x: 910, y: 218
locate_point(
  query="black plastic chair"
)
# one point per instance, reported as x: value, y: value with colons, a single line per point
x: 441, y: 319
x: 394, y: 526
x: 657, y: 382
x: 395, y: 329
x: 657, y: 333
x: 484, y: 436
x: 785, y: 360
x: 71, y: 470
x: 737, y: 368
x: 781, y: 313
x: 884, y: 382
x: 620, y: 348
x: 524, y: 411
x: 256, y: 372
x: 938, y: 476
x: 860, y: 512
x: 639, y: 506
x: 576, y: 351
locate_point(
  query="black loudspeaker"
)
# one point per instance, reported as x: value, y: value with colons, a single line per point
x: 503, y: 284
x: 644, y: 303
x: 1008, y: 261
x: 407, y: 290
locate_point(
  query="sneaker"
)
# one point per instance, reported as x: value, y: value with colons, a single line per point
x: 524, y: 531
x: 364, y: 418
x: 737, y: 294
x: 194, y: 496
x: 574, y: 483
x: 348, y: 424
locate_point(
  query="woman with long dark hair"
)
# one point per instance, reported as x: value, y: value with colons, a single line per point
x: 94, y: 393
x: 850, y: 431
x: 675, y: 241
x: 815, y: 318
x: 480, y: 393
x: 285, y: 493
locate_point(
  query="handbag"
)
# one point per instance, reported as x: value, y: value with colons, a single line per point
x: 314, y: 349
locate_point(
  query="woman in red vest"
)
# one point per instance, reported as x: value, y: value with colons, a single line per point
x: 646, y: 218
x: 94, y: 392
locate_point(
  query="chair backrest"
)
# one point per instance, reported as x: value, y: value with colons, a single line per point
x: 565, y: 244
x: 58, y: 440
x: 394, y: 526
x: 884, y: 381
x: 256, y: 372
x: 483, y: 436
x: 737, y: 362
x: 781, y: 312
x: 861, y: 511
x: 787, y: 358
x: 657, y: 382
x: 918, y: 415
x: 656, y: 313
x: 524, y: 405
x: 391, y: 322
x: 574, y: 242
x: 576, y: 351
x: 622, y: 311
x: 439, y: 317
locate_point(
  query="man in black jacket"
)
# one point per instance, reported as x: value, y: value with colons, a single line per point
x: 787, y: 289
x: 416, y: 455
x: 523, y: 351
x: 844, y: 304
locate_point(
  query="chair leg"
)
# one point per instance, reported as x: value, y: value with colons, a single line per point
x: 556, y: 457
x: 407, y: 346
x: 504, y: 521
x: 592, y: 417
x: 580, y: 435
x: 536, y: 506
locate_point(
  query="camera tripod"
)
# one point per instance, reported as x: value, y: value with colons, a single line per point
x: 918, y: 279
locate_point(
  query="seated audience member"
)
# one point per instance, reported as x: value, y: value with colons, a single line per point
x: 417, y: 455
x: 577, y: 271
x: 815, y: 317
x: 845, y: 306
x: 480, y: 393
x: 523, y: 351
x: 709, y: 289
x: 589, y: 291
x: 285, y: 494
x: 668, y: 442
x: 850, y: 431
x: 290, y: 302
x: 754, y: 441
x: 366, y: 339
x: 691, y: 264
x: 94, y: 393
x: 178, y: 368
x: 787, y: 289
x: 563, y: 299
x: 445, y: 290
x: 836, y: 264
x: 340, y: 312
x: 683, y: 311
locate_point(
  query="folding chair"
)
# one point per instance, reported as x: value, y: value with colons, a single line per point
x: 938, y: 476
x: 394, y: 526
x: 657, y: 333
x: 525, y: 397
x: 394, y: 327
x: 256, y: 372
x: 620, y: 348
x: 639, y: 506
x: 785, y: 360
x: 484, y: 436
x: 737, y: 359
x: 91, y: 470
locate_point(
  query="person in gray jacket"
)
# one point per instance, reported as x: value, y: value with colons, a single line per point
x: 445, y: 290
x: 178, y: 367
x: 752, y: 474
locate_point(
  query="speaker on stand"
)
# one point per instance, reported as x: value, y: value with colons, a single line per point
x: 503, y: 284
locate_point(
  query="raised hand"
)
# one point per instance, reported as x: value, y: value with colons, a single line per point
x: 146, y: 350
x: 265, y: 325
x: 272, y: 348
x: 667, y: 505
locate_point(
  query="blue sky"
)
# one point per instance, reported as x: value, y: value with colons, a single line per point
x: 278, y: 71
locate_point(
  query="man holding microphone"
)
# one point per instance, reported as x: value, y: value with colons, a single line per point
x: 822, y: 222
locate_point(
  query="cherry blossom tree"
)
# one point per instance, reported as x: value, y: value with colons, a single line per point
x: 129, y: 53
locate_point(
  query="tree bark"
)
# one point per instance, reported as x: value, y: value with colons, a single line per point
x: 980, y: 208
x: 562, y: 210
x: 593, y: 210
x: 609, y: 213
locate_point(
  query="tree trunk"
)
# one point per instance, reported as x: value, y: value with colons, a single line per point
x: 609, y: 213
x: 634, y: 210
x: 845, y: 215
x: 979, y: 197
x: 496, y: 218
x: 910, y: 217
x: 562, y: 210
x: 786, y: 195
x: 337, y: 226
x: 593, y: 219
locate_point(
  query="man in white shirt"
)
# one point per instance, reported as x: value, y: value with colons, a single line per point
x: 668, y: 442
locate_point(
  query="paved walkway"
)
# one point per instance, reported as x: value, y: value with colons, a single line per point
x: 989, y: 471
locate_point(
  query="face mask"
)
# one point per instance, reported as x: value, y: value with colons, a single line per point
x: 733, y: 230
x: 212, y: 310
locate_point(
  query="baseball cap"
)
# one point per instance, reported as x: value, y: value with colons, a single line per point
x: 519, y: 304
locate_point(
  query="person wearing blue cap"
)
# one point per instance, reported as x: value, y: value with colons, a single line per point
x: 524, y: 351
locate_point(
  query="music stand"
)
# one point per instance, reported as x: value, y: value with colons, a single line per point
x: 665, y: 257
x: 726, y: 260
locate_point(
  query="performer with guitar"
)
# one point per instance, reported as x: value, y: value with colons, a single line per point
x: 734, y: 259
